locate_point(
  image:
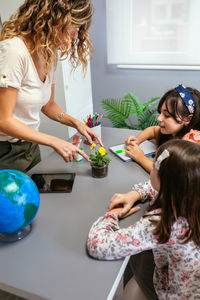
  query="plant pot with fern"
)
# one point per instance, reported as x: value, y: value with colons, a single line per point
x: 99, y: 162
x: 129, y: 112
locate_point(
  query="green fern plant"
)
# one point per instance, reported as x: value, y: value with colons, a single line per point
x: 121, y: 112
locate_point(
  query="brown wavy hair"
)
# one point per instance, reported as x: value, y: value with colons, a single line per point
x: 42, y: 21
x: 179, y: 194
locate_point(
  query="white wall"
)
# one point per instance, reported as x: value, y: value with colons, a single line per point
x: 73, y: 93
x: 7, y: 7
x: 109, y: 81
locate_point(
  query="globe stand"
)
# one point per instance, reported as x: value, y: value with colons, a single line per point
x: 15, y: 236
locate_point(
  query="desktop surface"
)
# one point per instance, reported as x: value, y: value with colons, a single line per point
x: 52, y: 262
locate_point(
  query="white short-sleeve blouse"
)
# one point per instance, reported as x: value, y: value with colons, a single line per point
x: 18, y: 70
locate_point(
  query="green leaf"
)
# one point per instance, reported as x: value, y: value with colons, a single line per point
x: 116, y: 107
x: 118, y: 112
x: 150, y: 102
x: 147, y: 119
x: 135, y: 104
x: 107, y: 159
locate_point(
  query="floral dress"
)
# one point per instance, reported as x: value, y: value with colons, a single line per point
x: 177, y: 265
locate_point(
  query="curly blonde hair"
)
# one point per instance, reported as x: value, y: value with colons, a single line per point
x: 42, y: 21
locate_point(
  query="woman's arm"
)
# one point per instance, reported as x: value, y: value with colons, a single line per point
x: 53, y: 111
x: 15, y: 128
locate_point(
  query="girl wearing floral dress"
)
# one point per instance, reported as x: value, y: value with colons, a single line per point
x: 179, y: 117
x: 171, y: 228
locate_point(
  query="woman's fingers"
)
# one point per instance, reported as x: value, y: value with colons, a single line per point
x: 89, y: 134
x: 68, y: 156
x: 69, y: 151
x: 82, y: 153
x: 93, y: 137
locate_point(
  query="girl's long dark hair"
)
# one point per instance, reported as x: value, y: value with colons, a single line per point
x: 176, y: 108
x: 179, y: 194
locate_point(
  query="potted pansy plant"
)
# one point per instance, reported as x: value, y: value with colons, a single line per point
x: 99, y: 162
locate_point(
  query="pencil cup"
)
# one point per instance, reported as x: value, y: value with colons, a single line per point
x: 97, y: 129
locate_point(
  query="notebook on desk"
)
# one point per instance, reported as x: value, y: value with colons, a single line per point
x: 148, y: 148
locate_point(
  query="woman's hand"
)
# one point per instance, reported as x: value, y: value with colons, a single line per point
x: 130, y: 140
x: 122, y: 204
x: 90, y: 135
x: 67, y: 150
x: 135, y: 152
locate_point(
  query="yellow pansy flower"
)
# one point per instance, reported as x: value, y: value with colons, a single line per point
x: 92, y: 146
x: 102, y: 151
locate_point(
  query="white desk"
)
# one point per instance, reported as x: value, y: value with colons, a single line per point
x: 51, y: 262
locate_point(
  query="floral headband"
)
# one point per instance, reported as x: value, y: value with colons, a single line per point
x: 160, y: 158
x: 187, y: 97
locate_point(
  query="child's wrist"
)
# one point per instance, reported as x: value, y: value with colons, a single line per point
x: 139, y: 159
x: 134, y: 196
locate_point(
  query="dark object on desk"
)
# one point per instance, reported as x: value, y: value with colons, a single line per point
x: 99, y: 171
x: 60, y: 185
x: 54, y: 182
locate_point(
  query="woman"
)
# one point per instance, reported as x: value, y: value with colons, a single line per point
x: 29, y: 44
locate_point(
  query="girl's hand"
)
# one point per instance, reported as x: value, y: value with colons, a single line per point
x: 121, y: 204
x: 130, y: 140
x: 120, y: 215
x: 67, y: 150
x: 90, y: 135
x: 135, y: 152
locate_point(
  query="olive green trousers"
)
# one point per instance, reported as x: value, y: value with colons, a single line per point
x: 21, y: 155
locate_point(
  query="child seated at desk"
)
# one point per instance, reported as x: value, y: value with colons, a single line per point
x: 170, y: 228
x: 178, y: 118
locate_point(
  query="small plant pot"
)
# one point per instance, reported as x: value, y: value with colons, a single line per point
x: 99, y: 171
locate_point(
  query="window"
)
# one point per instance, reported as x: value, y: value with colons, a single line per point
x: 153, y: 33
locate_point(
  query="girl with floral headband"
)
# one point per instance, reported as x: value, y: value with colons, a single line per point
x: 35, y: 37
x: 179, y: 117
x: 171, y: 227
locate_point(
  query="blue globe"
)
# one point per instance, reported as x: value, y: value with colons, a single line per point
x: 19, y: 201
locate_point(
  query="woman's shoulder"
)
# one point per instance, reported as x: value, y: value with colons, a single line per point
x: 12, y: 47
x: 13, y: 54
x: 193, y: 136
